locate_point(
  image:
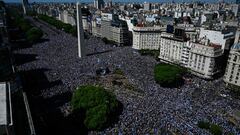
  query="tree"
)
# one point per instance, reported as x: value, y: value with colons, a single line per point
x: 168, y: 75
x: 34, y: 34
x: 215, y: 129
x: 100, y: 106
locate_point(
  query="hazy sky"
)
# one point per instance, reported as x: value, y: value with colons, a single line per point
x: 116, y: 0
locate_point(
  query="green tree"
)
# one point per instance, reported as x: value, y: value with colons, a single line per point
x: 99, y: 105
x: 215, y: 129
x: 168, y: 75
x: 34, y: 34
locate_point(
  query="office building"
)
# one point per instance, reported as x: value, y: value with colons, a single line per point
x: 205, y: 59
x: 200, y: 56
x: 99, y: 4
x: 114, y: 29
x: 237, y: 1
x: 232, y: 72
x: 223, y: 38
x: 171, y: 47
x: 6, y: 119
x: 147, y: 6
x: 147, y: 37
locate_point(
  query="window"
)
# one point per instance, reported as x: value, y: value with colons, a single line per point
x: 235, y: 58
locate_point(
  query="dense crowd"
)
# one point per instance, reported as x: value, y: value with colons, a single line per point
x: 158, y: 109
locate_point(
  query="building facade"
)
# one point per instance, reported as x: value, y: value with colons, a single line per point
x: 112, y: 28
x: 225, y: 39
x: 147, y: 38
x: 171, y: 48
x: 205, y: 59
x: 201, y: 57
x: 232, y: 73
x: 99, y: 4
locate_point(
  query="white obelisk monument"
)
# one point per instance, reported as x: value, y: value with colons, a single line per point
x: 81, y: 45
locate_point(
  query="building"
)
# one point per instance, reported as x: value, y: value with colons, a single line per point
x: 68, y: 18
x: 106, y: 27
x: 147, y: 6
x: 99, y: 4
x: 6, y: 119
x: 223, y: 38
x: 205, y: 59
x: 171, y: 48
x: 113, y: 29
x: 237, y: 1
x: 235, y: 9
x: 201, y: 57
x: 120, y: 32
x: 147, y: 37
x: 232, y: 72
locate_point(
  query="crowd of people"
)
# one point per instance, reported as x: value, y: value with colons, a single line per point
x: 159, y: 109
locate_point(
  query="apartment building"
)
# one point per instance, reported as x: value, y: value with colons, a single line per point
x: 147, y: 37
x: 232, y: 73
x: 112, y: 28
x: 201, y: 57
x: 171, y: 48
x: 205, y: 59
x: 223, y: 38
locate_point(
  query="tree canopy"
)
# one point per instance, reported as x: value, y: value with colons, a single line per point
x: 168, y: 75
x: 100, y: 106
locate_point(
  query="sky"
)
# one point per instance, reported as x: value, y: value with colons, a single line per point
x: 8, y: 1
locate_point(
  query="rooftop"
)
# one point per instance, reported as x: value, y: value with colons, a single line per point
x: 3, y: 104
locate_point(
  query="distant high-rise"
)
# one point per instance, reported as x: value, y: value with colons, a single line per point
x: 99, y: 4
x: 25, y: 6
x: 147, y: 6
x: 80, y: 31
x: 237, y: 1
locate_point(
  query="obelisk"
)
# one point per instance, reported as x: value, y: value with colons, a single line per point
x: 81, y: 45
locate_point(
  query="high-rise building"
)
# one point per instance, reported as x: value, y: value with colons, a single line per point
x: 237, y: 1
x: 113, y: 29
x: 99, y: 4
x: 232, y: 72
x: 147, y: 37
x: 201, y: 57
x: 81, y: 45
x: 147, y: 6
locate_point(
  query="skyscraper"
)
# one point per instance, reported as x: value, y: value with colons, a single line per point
x: 98, y: 4
x: 80, y: 31
x: 237, y: 1
x: 25, y: 6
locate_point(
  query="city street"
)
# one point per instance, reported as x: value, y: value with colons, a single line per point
x: 52, y: 70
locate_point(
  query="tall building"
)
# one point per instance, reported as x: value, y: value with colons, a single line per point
x: 205, y: 59
x: 235, y: 9
x: 25, y: 6
x: 81, y: 45
x: 237, y: 1
x: 99, y: 4
x: 225, y: 39
x: 201, y: 57
x: 147, y: 6
x: 171, y: 48
x: 147, y: 37
x: 232, y: 73
x: 114, y: 29
x: 6, y: 118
